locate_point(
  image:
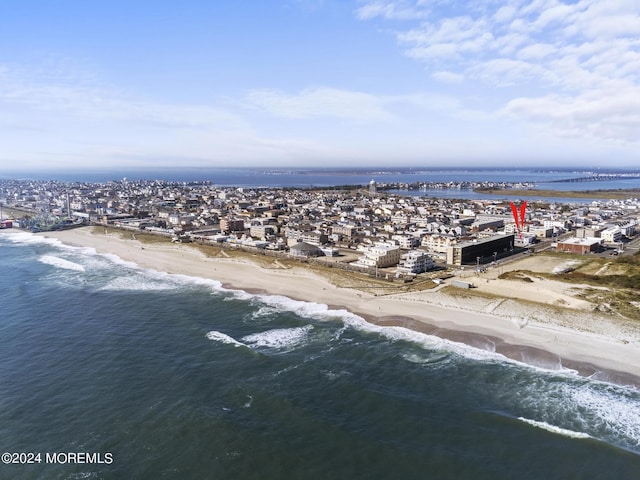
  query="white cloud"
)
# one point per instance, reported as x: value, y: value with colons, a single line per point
x: 559, y: 59
x: 536, y: 51
x: 320, y: 102
x: 388, y: 111
x: 45, y: 91
x: 610, y: 19
x: 611, y: 114
x: 506, y: 72
x: 448, y: 77
x: 87, y: 121
x: 394, y: 10
x: 504, y: 14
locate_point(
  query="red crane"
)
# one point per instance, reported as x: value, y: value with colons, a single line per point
x: 519, y: 216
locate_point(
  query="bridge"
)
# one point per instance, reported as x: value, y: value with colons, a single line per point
x: 597, y: 178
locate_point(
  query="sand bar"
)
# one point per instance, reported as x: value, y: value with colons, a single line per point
x: 578, y: 339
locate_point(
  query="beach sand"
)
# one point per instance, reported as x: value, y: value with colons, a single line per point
x: 540, y: 334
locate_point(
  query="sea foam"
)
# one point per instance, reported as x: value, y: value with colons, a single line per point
x: 61, y: 263
x: 553, y: 429
x: 278, y: 338
x: 584, y: 407
x: 611, y: 409
x: 26, y: 238
x: 224, y: 338
x: 322, y: 312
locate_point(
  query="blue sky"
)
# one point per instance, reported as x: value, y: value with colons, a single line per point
x: 86, y: 84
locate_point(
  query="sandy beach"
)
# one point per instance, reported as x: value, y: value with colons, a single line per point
x: 573, y: 337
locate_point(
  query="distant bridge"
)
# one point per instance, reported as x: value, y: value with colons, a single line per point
x: 596, y: 178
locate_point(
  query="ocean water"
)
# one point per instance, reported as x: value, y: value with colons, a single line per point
x: 165, y: 376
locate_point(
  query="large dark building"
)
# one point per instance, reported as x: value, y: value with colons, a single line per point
x: 475, y: 251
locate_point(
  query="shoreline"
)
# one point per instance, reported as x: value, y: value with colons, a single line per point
x: 519, y: 334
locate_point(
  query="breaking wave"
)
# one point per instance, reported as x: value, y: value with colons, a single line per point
x: 554, y: 429
x: 278, y: 338
x: 61, y: 263
x: 224, y: 338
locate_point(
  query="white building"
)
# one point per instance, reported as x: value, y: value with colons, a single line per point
x: 262, y: 231
x: 611, y: 235
x: 406, y: 242
x: 379, y: 256
x: 415, y: 261
x: 438, y: 243
x: 525, y: 241
x: 628, y: 229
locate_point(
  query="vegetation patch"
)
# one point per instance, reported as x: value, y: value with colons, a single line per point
x: 517, y: 275
x: 618, y: 289
x: 631, y: 281
x: 633, y: 260
x: 616, y: 194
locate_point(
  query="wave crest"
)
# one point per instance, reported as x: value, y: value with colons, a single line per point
x: 61, y: 263
x: 216, y: 336
x: 553, y: 429
x: 278, y: 338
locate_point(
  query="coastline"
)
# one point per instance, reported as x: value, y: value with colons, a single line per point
x: 527, y: 333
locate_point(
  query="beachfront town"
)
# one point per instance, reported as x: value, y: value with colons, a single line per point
x: 361, y: 228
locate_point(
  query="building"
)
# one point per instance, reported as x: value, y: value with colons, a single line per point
x: 406, y: 242
x: 439, y: 243
x: 343, y: 230
x: 628, y: 229
x: 541, y: 231
x: 315, y: 238
x: 580, y: 246
x: 262, y: 231
x: 611, y: 235
x: 380, y: 256
x: 231, y: 225
x: 305, y: 250
x: 183, y: 220
x: 525, y: 241
x: 481, y: 225
x: 477, y: 251
x: 415, y: 261
x: 590, y: 232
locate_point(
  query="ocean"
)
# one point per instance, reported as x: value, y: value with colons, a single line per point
x: 110, y: 371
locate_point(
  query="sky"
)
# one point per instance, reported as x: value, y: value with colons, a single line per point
x: 318, y: 83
